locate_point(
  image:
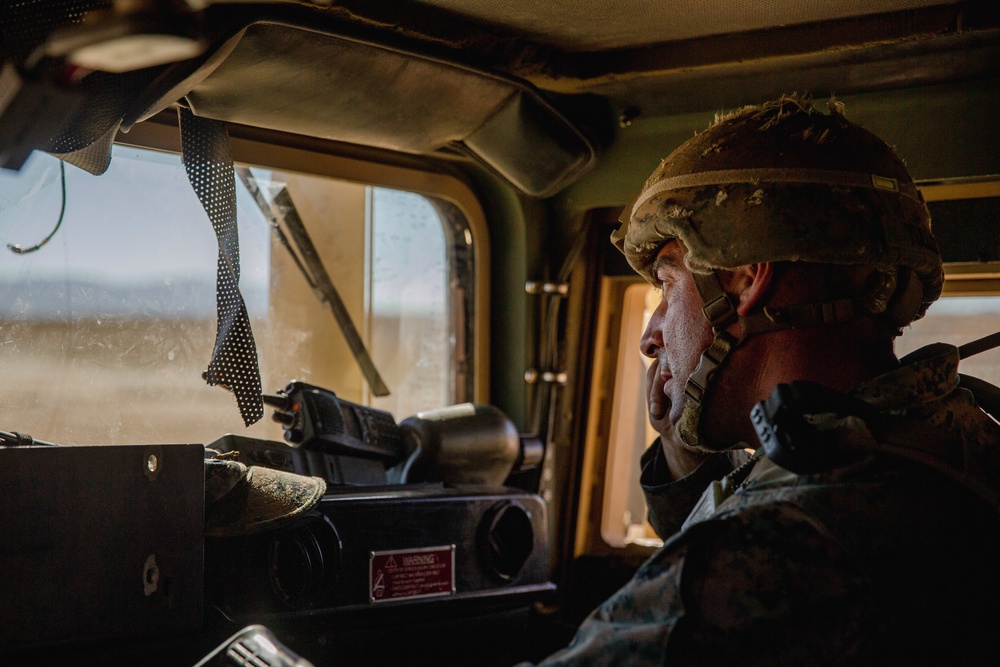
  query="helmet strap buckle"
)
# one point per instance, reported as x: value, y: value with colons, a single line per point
x: 699, y: 380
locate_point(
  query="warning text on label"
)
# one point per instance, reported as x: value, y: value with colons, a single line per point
x: 395, y: 575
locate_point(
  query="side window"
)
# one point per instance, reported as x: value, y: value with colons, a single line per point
x: 408, y: 282
x: 957, y: 320
x: 613, y: 509
x: 106, y: 329
x: 623, y: 518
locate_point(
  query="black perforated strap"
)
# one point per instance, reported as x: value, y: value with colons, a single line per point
x: 208, y: 160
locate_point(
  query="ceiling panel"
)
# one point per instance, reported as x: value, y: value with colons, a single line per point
x: 593, y: 25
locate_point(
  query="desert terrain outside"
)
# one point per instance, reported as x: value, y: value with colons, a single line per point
x: 112, y: 381
x: 139, y: 381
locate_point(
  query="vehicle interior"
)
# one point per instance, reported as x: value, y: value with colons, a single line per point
x: 369, y: 242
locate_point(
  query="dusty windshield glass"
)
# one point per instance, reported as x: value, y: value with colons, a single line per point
x: 106, y: 329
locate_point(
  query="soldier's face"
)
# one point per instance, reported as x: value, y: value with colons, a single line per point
x: 678, y: 331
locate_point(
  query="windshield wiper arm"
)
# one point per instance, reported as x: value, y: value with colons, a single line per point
x: 315, y: 273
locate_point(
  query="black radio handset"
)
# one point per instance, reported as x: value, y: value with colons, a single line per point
x: 315, y: 418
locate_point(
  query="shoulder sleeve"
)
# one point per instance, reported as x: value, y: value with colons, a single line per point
x: 766, y: 587
x: 772, y: 582
x: 669, y: 501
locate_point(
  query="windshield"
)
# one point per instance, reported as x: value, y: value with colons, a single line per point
x: 108, y: 326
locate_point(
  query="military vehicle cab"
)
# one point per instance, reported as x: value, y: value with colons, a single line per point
x: 366, y: 243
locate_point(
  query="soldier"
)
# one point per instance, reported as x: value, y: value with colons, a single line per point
x: 791, y: 247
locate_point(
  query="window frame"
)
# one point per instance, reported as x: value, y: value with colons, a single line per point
x: 279, y: 151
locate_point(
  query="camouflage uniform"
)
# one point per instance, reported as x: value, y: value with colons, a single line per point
x: 888, y: 559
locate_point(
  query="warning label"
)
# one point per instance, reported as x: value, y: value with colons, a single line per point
x: 411, y: 573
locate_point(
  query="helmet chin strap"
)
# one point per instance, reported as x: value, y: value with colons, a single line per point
x: 720, y: 309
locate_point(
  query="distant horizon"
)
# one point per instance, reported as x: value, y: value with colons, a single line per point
x: 153, y: 298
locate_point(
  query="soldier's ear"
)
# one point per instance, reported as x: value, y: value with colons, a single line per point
x: 751, y: 285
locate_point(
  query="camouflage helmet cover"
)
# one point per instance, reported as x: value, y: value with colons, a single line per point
x: 784, y: 182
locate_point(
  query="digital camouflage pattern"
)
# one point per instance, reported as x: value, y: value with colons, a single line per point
x: 889, y: 559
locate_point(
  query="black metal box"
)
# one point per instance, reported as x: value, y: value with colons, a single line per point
x: 100, y: 542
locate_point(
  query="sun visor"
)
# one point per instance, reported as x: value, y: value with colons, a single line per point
x: 530, y: 145
x: 287, y: 78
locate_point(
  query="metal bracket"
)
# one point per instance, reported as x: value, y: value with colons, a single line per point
x: 535, y: 287
x: 534, y: 376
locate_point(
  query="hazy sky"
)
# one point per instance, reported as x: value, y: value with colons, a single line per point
x: 139, y: 221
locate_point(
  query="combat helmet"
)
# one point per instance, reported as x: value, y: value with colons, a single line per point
x: 783, y: 181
